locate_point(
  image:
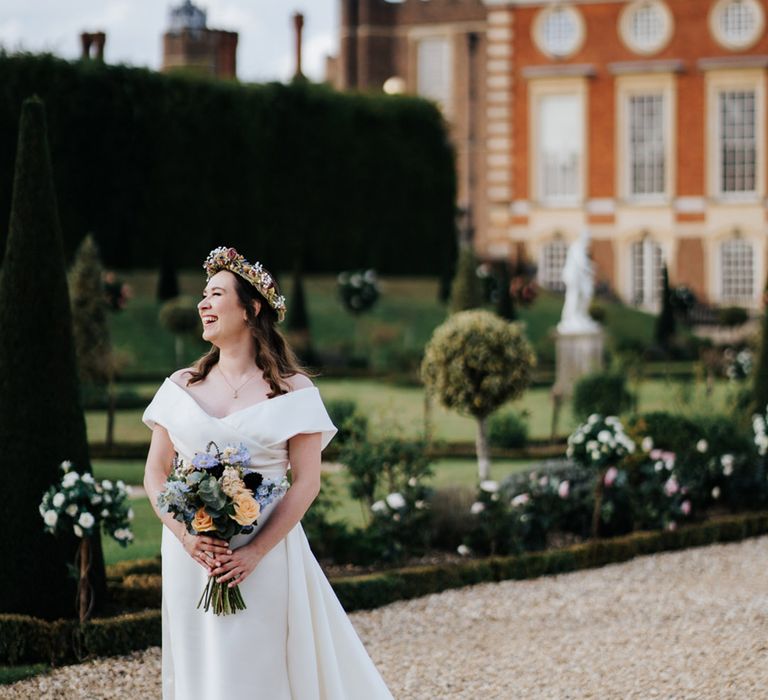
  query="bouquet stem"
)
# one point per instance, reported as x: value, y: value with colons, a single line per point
x: 84, y: 588
x: 223, y: 599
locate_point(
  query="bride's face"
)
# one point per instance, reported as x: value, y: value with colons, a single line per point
x: 222, y: 314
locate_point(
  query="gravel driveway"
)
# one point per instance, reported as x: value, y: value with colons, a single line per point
x: 683, y: 625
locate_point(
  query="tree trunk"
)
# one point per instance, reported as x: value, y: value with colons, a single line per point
x: 481, y: 446
x: 84, y: 588
x: 598, y: 503
x: 179, y: 351
x: 428, y: 418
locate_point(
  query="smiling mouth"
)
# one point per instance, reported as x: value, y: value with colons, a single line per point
x: 208, y: 320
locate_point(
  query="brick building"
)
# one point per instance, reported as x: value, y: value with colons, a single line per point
x: 644, y: 120
x: 190, y: 45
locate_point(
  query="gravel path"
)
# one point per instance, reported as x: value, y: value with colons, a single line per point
x: 682, y: 626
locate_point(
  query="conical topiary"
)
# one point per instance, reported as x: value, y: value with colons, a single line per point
x: 665, y: 322
x: 41, y: 419
x: 465, y: 290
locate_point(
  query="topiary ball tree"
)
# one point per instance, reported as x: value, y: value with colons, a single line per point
x: 41, y: 417
x: 474, y: 363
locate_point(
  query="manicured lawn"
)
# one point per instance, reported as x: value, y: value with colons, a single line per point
x: 394, y: 409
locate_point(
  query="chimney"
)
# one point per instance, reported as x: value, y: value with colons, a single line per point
x: 92, y: 42
x: 298, y: 25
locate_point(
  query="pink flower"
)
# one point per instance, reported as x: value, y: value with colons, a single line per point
x: 231, y: 253
x: 671, y: 487
x: 610, y: 476
x: 685, y: 506
x: 564, y: 489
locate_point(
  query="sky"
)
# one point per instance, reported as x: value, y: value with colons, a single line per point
x: 134, y: 31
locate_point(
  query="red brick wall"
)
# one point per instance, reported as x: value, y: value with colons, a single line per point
x: 603, y: 256
x: 690, y: 266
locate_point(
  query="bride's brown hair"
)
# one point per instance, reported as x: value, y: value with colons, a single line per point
x: 273, y: 354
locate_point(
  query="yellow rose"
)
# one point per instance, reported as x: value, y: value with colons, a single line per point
x: 203, y: 522
x: 246, y: 509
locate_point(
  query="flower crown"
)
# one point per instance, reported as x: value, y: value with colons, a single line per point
x: 223, y: 258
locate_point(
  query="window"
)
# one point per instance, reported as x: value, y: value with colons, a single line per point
x: 737, y: 269
x: 560, y: 148
x: 646, y: 26
x: 737, y: 24
x: 434, y: 70
x: 551, y: 263
x: 647, y: 273
x: 559, y: 31
x: 646, y: 145
x: 737, y: 144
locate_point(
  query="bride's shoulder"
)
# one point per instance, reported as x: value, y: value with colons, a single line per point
x: 181, y: 376
x: 298, y: 381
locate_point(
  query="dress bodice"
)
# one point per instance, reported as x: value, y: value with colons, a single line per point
x: 264, y: 427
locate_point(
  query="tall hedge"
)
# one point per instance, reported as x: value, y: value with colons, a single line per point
x: 41, y: 419
x: 147, y: 161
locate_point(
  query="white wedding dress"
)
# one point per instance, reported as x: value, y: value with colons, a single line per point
x: 294, y: 641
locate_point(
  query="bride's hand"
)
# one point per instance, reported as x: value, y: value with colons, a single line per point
x: 206, y: 551
x: 235, y: 567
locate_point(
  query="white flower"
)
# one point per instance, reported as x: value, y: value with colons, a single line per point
x: 494, y: 496
x: 58, y: 500
x: 489, y: 486
x: 71, y: 510
x: 105, y: 513
x: 658, y: 466
x: 129, y: 515
x: 379, y: 507
x: 593, y: 419
x: 66, y: 465
x: 604, y: 436
x: 595, y: 454
x: 395, y: 500
x: 50, y: 518
x: 106, y: 484
x: 716, y: 492
x: 420, y: 505
x: 70, y: 479
x: 121, y: 484
x: 463, y: 550
x: 702, y: 446
x: 413, y: 481
x: 87, y: 478
x: 727, y: 462
x: 578, y: 438
x: 592, y: 445
x: 564, y: 489
x: 129, y: 490
x: 78, y: 530
x: 647, y: 444
x: 86, y: 520
x: 396, y: 517
x: 95, y: 499
x: 477, y: 507
x: 521, y: 499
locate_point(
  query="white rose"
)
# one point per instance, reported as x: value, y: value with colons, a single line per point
x: 578, y: 438
x: 58, y: 500
x: 95, y: 499
x: 78, y: 530
x: 379, y: 507
x: 87, y: 478
x: 70, y: 479
x: 66, y: 465
x: 71, y: 510
x: 489, y: 486
x: 463, y: 550
x: 86, y: 520
x: 702, y: 446
x: 477, y: 507
x: 412, y: 481
x: 106, y: 484
x: 420, y: 505
x: 520, y: 499
x: 395, y: 500
x: 604, y: 436
x: 105, y: 513
x: 121, y: 484
x: 50, y: 518
x: 647, y: 444
x: 716, y: 492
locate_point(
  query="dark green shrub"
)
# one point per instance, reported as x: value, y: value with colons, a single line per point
x: 41, y: 417
x: 345, y: 416
x: 732, y: 316
x: 507, y: 429
x: 603, y: 393
x: 451, y: 519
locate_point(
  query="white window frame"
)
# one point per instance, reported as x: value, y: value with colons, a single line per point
x: 538, y: 89
x: 549, y: 276
x: 647, y: 292
x: 625, y: 26
x: 747, y: 299
x: 639, y: 86
x: 718, y: 82
x: 723, y: 39
x: 419, y: 39
x: 539, y: 23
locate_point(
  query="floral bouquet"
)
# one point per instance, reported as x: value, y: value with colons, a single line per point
x: 80, y: 504
x: 222, y: 496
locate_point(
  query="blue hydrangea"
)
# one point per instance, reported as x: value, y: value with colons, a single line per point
x: 203, y: 460
x: 174, y: 497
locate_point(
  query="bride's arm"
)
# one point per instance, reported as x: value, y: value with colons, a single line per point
x: 156, y: 471
x: 304, y: 456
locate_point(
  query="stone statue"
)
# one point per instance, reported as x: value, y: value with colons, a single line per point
x: 579, y: 279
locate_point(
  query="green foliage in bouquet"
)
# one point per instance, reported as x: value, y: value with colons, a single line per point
x: 41, y: 419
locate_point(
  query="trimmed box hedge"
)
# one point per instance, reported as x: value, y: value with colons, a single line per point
x: 137, y: 584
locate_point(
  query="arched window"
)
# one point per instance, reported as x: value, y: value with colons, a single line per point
x: 647, y: 273
x: 737, y: 272
x: 551, y: 261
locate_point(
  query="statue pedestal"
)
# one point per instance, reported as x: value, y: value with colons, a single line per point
x: 576, y: 354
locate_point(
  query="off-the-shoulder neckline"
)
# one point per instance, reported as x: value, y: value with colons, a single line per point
x: 239, y: 410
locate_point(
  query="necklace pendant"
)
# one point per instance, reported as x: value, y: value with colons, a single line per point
x: 234, y: 395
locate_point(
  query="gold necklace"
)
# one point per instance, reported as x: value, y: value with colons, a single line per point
x: 234, y: 391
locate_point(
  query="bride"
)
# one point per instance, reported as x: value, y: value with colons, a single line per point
x: 294, y: 640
